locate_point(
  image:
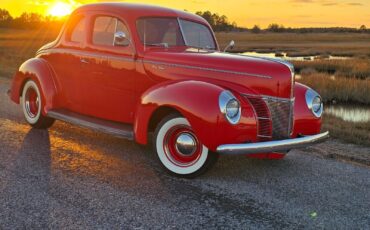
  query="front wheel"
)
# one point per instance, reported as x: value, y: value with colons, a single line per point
x: 32, y: 106
x: 179, y: 150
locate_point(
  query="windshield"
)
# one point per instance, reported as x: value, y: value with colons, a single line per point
x: 168, y: 32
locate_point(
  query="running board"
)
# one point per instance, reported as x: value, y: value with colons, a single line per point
x: 110, y: 127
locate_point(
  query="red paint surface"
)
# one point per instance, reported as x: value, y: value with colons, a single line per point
x: 129, y: 84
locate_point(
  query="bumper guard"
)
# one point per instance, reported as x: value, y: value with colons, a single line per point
x: 272, y: 146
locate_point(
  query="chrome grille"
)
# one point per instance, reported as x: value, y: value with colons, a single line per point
x: 261, y: 109
x: 276, y: 122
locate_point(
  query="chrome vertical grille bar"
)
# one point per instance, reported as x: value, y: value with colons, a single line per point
x: 280, y: 112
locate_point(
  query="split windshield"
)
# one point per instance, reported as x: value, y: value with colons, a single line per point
x: 167, y: 32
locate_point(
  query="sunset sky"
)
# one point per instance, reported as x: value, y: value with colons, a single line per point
x: 294, y: 13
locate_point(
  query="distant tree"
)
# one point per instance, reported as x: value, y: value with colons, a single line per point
x: 256, y: 29
x: 274, y: 27
x: 363, y: 28
x: 217, y: 22
x: 31, y: 18
x: 5, y: 15
x: 5, y: 18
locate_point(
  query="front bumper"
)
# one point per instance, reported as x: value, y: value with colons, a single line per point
x: 272, y: 146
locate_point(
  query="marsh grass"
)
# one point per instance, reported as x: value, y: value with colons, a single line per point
x: 338, y: 89
x: 16, y: 46
x: 296, y: 44
x: 350, y: 68
x: 357, y: 133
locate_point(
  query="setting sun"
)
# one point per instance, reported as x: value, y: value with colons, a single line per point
x: 60, y: 9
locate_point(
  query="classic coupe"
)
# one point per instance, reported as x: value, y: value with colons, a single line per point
x: 157, y: 76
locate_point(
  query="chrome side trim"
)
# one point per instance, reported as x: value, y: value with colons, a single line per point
x: 282, y: 99
x: 272, y: 146
x: 206, y: 69
x: 109, y: 127
x: 281, y: 61
x: 264, y: 118
x: 86, y: 53
x: 277, y: 60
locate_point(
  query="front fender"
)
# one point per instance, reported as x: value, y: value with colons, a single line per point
x: 39, y: 71
x: 197, y: 101
x: 305, y: 123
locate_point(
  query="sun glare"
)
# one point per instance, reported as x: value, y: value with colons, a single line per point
x: 60, y: 9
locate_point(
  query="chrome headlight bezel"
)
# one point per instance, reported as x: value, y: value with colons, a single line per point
x: 226, y: 100
x: 314, y: 103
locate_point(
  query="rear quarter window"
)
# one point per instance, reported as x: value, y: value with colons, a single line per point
x: 76, y: 29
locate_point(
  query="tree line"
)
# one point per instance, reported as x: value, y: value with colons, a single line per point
x: 219, y: 23
x: 28, y: 21
x: 276, y: 28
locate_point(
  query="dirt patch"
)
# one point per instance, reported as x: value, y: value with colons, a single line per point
x: 336, y: 149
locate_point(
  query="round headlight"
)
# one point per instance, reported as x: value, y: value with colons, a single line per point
x: 230, y: 107
x: 314, y: 102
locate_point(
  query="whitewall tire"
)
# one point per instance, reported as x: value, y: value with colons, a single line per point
x: 179, y: 149
x: 32, y: 104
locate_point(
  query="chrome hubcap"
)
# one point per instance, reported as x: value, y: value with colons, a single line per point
x: 186, y: 144
x: 32, y: 103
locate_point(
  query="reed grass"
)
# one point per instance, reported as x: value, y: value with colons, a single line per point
x: 350, y: 68
x: 338, y: 89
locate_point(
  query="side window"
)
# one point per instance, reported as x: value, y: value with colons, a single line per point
x: 75, y: 32
x: 105, y: 28
x: 197, y: 35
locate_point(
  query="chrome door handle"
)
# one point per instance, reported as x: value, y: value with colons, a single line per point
x: 83, y: 60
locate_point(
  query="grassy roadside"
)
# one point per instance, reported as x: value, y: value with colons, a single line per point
x: 357, y: 133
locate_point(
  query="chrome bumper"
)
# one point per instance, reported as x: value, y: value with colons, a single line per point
x: 272, y: 146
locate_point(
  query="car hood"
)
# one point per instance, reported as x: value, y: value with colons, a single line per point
x: 266, y: 76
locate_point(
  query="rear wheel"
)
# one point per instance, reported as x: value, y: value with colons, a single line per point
x: 32, y: 106
x: 179, y: 150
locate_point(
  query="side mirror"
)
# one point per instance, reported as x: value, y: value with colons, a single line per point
x: 230, y: 45
x: 120, y: 39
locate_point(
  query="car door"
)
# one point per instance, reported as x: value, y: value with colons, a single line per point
x: 109, y: 71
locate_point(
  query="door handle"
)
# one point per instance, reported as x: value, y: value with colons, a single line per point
x: 84, y: 61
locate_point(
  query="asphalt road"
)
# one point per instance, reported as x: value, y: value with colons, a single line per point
x: 69, y: 177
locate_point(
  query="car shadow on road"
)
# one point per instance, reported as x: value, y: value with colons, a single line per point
x: 34, y: 156
x: 28, y: 180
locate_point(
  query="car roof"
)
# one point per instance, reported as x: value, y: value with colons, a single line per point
x: 139, y: 10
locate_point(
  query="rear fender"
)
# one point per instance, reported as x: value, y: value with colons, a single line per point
x: 39, y: 71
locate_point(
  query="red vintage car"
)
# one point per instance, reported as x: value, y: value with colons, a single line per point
x: 151, y: 73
